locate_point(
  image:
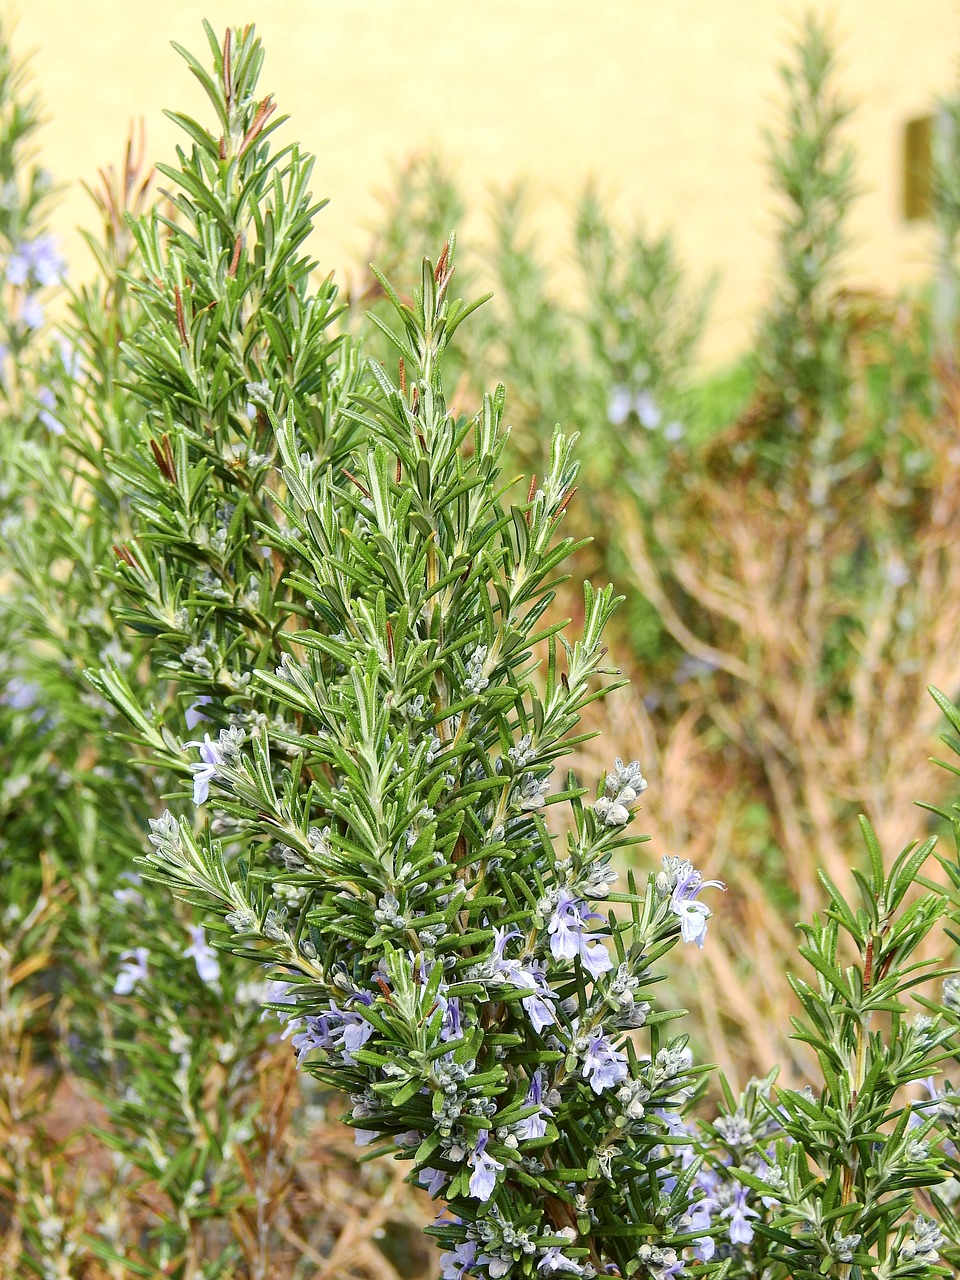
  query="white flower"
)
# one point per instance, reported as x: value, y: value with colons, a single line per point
x: 208, y: 966
x: 132, y: 971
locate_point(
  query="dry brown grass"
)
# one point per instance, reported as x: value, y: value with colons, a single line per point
x: 752, y: 596
x: 312, y: 1210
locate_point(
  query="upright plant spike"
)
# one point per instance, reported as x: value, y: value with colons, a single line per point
x: 370, y: 633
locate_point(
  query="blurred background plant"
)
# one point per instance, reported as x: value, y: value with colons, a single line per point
x: 150, y: 1123
x: 784, y: 530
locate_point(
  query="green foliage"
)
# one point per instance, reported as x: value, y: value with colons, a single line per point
x: 226, y: 517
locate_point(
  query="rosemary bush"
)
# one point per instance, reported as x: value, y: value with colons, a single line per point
x: 328, y: 563
x: 319, y: 623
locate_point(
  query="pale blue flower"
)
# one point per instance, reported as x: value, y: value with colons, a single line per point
x: 204, y: 770
x: 49, y: 401
x: 483, y: 1180
x: 208, y: 966
x: 35, y: 261
x: 20, y: 695
x: 537, y: 1006
x: 569, y: 936
x: 457, y: 1265
x: 647, y: 410
x: 132, y: 971
x: 534, y: 1125
x: 18, y: 267
x: 193, y: 715
x: 603, y: 1066
x: 619, y: 406
x: 554, y: 1260
x: 528, y: 975
x: 434, y: 1180
x: 683, y: 903
x: 129, y: 897
x: 338, y: 1031
x: 451, y: 1028
x: 48, y: 266
x: 738, y: 1211
x: 31, y: 311
x: 701, y: 1213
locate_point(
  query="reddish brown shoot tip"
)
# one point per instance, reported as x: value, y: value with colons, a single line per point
x: 235, y: 259
x: 353, y: 480
x: 265, y: 110
x: 567, y: 499
x: 181, y: 317
x: 442, y: 262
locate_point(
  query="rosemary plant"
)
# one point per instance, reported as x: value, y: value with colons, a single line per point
x: 335, y: 575
x: 321, y: 621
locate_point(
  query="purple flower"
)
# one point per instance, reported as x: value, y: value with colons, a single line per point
x: 193, y: 715
x: 363, y: 1137
x: 339, y: 1031
x: 554, y: 1259
x: 603, y: 1065
x: 569, y: 936
x: 456, y: 1265
x: 534, y: 1125
x: 705, y: 1248
x: 31, y: 311
x: 204, y: 770
x: 35, y: 260
x: 208, y: 966
x: 483, y: 1180
x: 433, y: 1179
x: 132, y: 971
x: 693, y: 915
x: 49, y: 401
x: 451, y: 1028
x: 529, y: 977
x: 741, y: 1232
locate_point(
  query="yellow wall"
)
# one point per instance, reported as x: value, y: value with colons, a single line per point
x: 663, y: 100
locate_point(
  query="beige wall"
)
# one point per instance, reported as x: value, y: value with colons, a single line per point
x: 663, y: 100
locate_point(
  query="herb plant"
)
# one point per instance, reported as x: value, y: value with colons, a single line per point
x: 329, y: 710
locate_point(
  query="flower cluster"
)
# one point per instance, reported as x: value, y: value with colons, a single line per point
x: 33, y: 264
